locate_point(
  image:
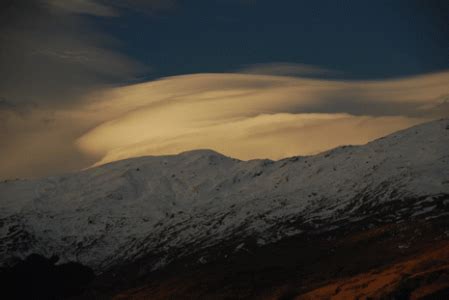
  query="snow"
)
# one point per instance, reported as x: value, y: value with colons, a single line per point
x: 124, y: 210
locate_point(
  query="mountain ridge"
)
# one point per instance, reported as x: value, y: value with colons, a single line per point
x: 168, y: 207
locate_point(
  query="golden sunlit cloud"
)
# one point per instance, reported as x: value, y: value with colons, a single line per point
x: 256, y: 116
x: 245, y: 116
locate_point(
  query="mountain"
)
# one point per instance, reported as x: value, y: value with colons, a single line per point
x: 156, y: 219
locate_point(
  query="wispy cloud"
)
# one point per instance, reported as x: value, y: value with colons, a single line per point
x: 82, y: 7
x: 242, y: 115
x: 51, y: 54
x: 110, y: 8
x: 253, y: 116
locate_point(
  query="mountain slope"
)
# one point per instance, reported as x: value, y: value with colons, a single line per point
x: 158, y: 210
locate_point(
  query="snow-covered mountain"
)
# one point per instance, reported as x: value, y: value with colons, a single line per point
x: 167, y: 207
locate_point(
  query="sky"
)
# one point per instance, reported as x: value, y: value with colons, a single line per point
x: 86, y: 82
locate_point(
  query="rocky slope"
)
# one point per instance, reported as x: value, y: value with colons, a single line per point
x: 199, y: 207
x: 409, y: 260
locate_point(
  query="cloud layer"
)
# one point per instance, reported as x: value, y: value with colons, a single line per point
x: 242, y: 115
x: 253, y: 116
x: 51, y: 56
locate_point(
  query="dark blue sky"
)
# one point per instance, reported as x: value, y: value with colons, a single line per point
x: 362, y: 39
